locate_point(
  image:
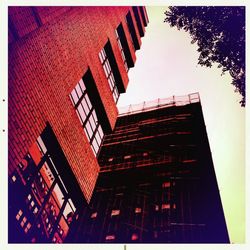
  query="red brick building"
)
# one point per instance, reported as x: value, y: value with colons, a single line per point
x: 67, y: 68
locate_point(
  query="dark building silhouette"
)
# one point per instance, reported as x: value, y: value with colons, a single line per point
x: 67, y: 68
x: 157, y: 182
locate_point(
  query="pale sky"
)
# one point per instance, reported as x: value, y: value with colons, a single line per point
x: 167, y: 65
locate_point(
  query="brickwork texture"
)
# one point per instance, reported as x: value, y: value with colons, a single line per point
x: 50, y: 49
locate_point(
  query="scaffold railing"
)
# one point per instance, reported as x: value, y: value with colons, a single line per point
x: 159, y: 103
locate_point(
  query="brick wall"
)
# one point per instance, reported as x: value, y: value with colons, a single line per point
x: 50, y: 49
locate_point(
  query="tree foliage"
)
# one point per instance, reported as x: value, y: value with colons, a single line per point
x: 220, y: 36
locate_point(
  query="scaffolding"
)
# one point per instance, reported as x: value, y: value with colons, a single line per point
x: 159, y: 103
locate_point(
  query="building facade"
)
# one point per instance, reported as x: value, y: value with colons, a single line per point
x: 157, y: 182
x: 67, y: 68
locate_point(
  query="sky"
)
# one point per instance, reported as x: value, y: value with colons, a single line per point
x: 167, y: 65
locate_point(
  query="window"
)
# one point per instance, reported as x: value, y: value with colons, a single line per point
x: 35, y: 210
x: 189, y: 161
x: 110, y: 159
x: 166, y: 184
x: 132, y: 31
x: 126, y: 157
x: 109, y: 74
x: 115, y: 212
x: 87, y: 116
x: 93, y: 215
x: 165, y: 206
x: 23, y: 221
x: 110, y: 237
x: 134, y: 237
x: 28, y: 226
x: 119, y: 194
x: 19, y: 214
x: 121, y: 49
x: 143, y: 15
x: 138, y: 21
x: 44, y: 200
x: 137, y: 210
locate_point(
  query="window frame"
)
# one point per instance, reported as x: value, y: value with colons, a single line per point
x: 132, y: 31
x: 124, y: 59
x: 87, y: 115
x: 104, y: 59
